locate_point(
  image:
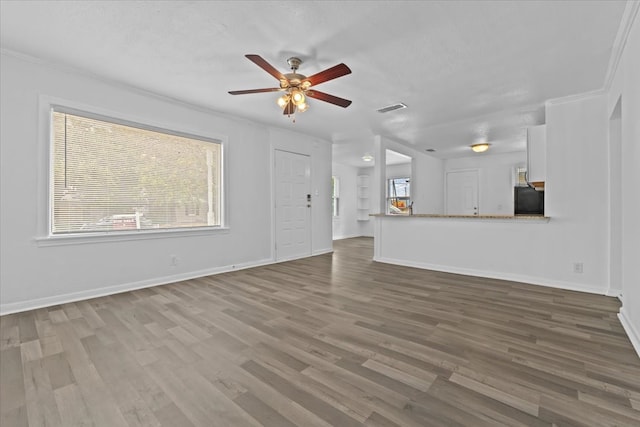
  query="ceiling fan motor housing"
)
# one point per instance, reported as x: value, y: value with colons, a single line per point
x: 293, y: 79
x: 294, y: 63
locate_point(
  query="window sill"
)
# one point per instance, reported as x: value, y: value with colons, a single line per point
x: 123, y: 236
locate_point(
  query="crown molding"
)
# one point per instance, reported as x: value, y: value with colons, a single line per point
x: 64, y: 68
x: 626, y: 23
x: 166, y: 98
x: 576, y: 97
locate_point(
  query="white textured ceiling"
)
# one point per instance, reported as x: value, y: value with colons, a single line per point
x: 467, y: 70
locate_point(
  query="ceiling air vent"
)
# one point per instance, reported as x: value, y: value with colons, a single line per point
x: 392, y: 107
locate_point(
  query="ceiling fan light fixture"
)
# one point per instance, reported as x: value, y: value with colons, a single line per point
x: 283, y: 101
x: 297, y: 96
x: 480, y: 148
x: 296, y: 86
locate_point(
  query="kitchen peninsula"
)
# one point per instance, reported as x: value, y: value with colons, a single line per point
x: 506, y: 217
x: 493, y: 246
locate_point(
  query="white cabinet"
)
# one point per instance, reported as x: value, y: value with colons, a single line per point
x: 362, y: 202
x: 537, y: 154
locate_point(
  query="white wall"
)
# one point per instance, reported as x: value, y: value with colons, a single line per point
x: 428, y: 185
x: 345, y: 225
x: 36, y: 275
x: 495, y: 179
x: 535, y: 252
x: 576, y: 186
x: 615, y: 200
x: 626, y: 86
x: 399, y: 170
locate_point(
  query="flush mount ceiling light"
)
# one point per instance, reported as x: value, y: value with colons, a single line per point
x: 367, y: 157
x: 480, y: 148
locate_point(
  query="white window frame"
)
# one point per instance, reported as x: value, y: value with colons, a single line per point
x: 389, y: 197
x: 520, y: 172
x: 44, y: 235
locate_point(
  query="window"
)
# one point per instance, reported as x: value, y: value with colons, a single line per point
x: 521, y: 177
x: 112, y: 177
x: 335, y: 196
x: 399, y: 195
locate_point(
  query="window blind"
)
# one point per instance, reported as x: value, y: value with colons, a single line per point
x: 110, y: 177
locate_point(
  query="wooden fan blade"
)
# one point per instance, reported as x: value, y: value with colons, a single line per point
x: 329, y: 74
x: 260, y: 62
x: 289, y: 109
x: 328, y: 98
x: 244, y: 92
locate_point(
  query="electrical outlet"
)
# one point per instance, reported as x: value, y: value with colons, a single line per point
x: 578, y: 267
x: 175, y: 260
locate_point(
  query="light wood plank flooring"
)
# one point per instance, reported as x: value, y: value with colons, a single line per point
x: 332, y: 340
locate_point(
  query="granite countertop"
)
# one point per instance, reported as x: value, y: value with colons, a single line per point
x: 502, y: 217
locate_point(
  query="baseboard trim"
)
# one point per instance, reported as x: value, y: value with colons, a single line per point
x: 530, y: 280
x: 350, y: 236
x: 313, y: 253
x: 20, y: 306
x: 632, y: 332
x: 616, y: 293
x: 322, y: 251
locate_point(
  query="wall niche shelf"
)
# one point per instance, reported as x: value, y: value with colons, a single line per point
x: 363, y: 198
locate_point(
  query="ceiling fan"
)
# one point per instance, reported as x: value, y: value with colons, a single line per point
x: 297, y: 86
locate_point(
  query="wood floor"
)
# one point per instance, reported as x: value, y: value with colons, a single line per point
x: 332, y: 340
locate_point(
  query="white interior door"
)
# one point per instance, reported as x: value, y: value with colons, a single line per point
x: 462, y: 192
x: 293, y: 205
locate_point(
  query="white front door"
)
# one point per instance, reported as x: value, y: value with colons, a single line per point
x: 293, y: 205
x: 462, y: 192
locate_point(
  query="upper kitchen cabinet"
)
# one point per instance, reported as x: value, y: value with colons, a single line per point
x: 537, y: 155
